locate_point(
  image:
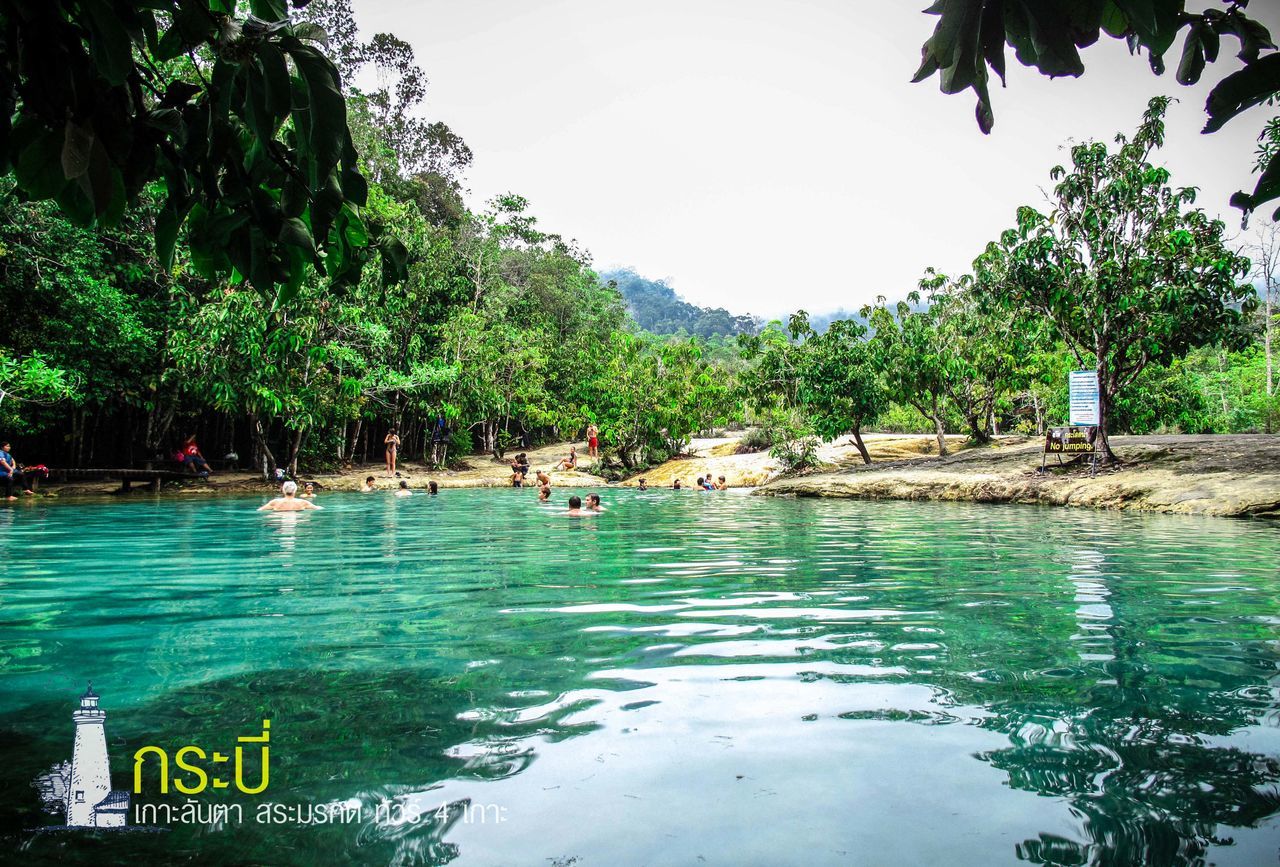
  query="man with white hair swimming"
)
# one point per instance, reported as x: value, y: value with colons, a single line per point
x: 289, y: 502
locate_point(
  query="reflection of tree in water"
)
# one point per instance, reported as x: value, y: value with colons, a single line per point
x: 1147, y: 791
x: 1132, y: 756
x: 336, y: 736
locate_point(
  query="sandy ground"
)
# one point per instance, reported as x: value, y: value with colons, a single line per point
x: 718, y: 457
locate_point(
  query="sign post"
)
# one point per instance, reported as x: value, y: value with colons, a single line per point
x: 1082, y: 435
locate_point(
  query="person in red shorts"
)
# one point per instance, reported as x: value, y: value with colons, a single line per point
x: 593, y: 440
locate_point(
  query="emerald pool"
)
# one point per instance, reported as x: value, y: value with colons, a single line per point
x: 686, y: 679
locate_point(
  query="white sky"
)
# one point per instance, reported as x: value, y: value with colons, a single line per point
x: 770, y: 156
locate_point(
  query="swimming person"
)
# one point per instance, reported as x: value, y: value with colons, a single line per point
x: 369, y: 486
x: 593, y: 503
x: 309, y: 490
x: 721, y: 484
x: 701, y: 483
x: 433, y: 488
x: 288, y: 501
x: 675, y: 486
x: 575, y: 507
x: 392, y: 442
x: 643, y: 486
x: 708, y: 485
x: 403, y: 490
x: 544, y: 494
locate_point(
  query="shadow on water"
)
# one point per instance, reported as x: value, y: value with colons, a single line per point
x: 338, y: 737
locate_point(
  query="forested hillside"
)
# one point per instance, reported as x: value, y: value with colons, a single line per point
x: 657, y: 308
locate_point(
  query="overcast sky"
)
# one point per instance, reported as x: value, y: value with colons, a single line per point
x: 770, y: 156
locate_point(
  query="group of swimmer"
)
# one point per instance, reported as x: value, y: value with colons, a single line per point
x: 704, y: 483
x: 291, y: 501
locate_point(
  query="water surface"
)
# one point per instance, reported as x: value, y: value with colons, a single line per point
x: 686, y: 679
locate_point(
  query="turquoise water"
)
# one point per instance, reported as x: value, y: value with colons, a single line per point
x: 686, y: 679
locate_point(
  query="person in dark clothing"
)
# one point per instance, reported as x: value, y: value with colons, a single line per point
x: 10, y: 475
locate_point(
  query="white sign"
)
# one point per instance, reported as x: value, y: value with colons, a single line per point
x: 1084, y: 397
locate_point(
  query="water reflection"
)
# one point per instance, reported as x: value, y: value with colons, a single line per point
x: 686, y: 676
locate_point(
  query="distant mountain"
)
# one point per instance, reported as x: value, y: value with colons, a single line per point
x: 656, y: 307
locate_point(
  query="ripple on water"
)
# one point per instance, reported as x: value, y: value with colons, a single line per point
x: 870, y: 677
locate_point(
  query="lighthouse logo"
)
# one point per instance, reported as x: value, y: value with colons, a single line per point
x: 81, y: 789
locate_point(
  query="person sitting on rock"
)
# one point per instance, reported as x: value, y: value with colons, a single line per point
x: 571, y: 462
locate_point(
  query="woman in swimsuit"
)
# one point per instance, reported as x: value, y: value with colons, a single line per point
x: 392, y: 442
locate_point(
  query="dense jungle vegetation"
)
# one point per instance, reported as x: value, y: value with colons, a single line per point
x: 145, y: 301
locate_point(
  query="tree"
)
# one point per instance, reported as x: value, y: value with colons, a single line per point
x: 971, y: 35
x: 912, y: 353
x: 1128, y: 273
x: 242, y: 118
x: 839, y: 386
x: 1265, y: 250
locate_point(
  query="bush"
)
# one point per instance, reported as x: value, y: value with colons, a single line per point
x: 798, y: 453
x: 755, y: 440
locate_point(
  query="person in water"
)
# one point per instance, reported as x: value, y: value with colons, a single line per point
x: 575, y: 506
x: 675, y: 486
x: 392, y: 442
x: 544, y: 494
x: 708, y: 485
x: 403, y: 490
x: 701, y: 483
x: 433, y: 488
x: 593, y: 440
x: 721, y: 484
x: 288, y: 501
x: 593, y: 503
x: 309, y: 490
x: 369, y: 486
x: 571, y: 462
x: 643, y: 486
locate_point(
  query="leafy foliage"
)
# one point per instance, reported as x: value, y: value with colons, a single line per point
x: 969, y: 43
x: 1128, y: 273
x: 243, y: 119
